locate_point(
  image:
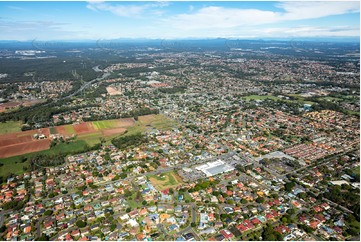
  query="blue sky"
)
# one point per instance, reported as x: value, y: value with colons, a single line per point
x: 155, y: 19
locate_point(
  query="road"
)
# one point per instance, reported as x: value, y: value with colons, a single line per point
x: 84, y: 86
x: 105, y: 75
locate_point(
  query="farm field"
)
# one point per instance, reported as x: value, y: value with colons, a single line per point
x: 16, y: 146
x: 23, y: 148
x: 165, y: 180
x: 15, y: 164
x: 10, y: 127
x: 19, y: 143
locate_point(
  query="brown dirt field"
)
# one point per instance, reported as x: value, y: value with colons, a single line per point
x: 28, y: 147
x: 112, y: 91
x: 61, y: 130
x: 109, y: 132
x: 83, y: 128
x: 16, y: 140
x: 21, y: 137
x: 126, y: 122
x: 146, y: 118
x: 45, y: 131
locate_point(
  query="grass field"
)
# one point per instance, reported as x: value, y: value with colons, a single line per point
x: 69, y: 129
x: 158, y: 121
x: 300, y: 99
x: 52, y: 130
x: 257, y: 97
x: 132, y: 203
x: 12, y: 165
x: 10, y: 127
x: 165, y: 180
x: 330, y: 99
x: 105, y: 124
x: 91, y: 139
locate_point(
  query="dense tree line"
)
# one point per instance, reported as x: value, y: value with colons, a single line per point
x: 41, y: 160
x: 172, y: 90
x: 126, y: 141
x: 140, y: 112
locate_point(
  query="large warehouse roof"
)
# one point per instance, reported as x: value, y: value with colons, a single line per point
x: 214, y: 168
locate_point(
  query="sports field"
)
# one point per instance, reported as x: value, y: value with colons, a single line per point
x: 165, y: 180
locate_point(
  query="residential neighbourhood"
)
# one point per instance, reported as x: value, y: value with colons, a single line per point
x: 156, y: 143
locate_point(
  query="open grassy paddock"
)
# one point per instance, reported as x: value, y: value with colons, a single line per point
x: 165, y: 180
x: 158, y: 121
x: 105, y: 124
x: 257, y: 97
x: 10, y: 127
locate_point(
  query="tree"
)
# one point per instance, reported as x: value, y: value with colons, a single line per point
x: 43, y: 237
x: 48, y: 212
x: 193, y: 224
x: 80, y: 223
x: 289, y: 186
x: 112, y: 227
x: 260, y: 200
x: 2, y: 229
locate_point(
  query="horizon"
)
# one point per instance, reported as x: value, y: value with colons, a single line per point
x: 178, y: 20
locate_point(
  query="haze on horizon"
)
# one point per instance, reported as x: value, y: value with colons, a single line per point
x: 112, y: 20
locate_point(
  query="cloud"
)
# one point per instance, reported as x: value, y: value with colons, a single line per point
x: 212, y: 17
x: 16, y: 8
x: 312, y: 10
x: 134, y: 10
x: 26, y: 30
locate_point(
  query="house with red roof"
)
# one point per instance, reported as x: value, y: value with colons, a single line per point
x: 226, y: 233
x: 255, y: 221
x: 282, y: 229
x: 314, y: 224
x: 317, y: 209
x: 241, y: 228
x: 320, y: 217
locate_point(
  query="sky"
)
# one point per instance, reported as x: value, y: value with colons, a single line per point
x: 69, y: 20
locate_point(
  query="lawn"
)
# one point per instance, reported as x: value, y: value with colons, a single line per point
x: 165, y: 180
x: 132, y: 203
x: 10, y: 127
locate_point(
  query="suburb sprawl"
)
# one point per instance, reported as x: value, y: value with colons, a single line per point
x: 214, y: 140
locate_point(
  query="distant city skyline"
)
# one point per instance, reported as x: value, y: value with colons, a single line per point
x: 176, y: 20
